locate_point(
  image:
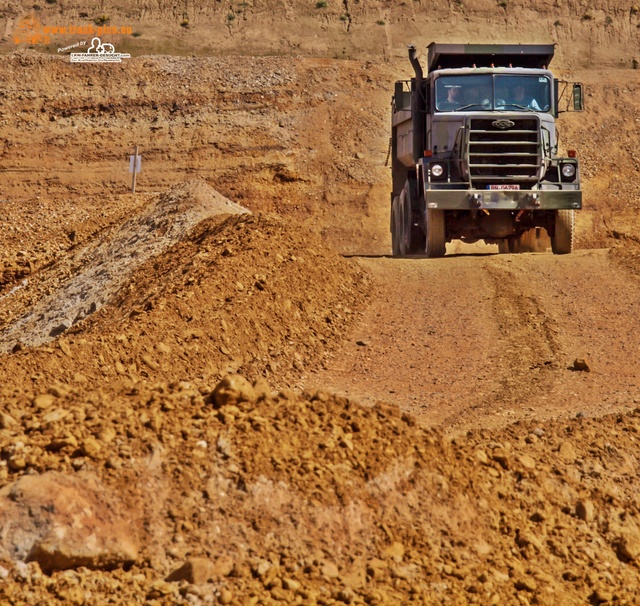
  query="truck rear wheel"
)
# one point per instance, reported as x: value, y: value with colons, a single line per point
x: 503, y: 247
x: 404, y: 206
x: 562, y: 241
x: 436, y: 233
x: 395, y: 232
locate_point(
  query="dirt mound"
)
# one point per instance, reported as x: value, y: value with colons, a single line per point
x: 244, y: 292
x: 90, y: 277
x: 315, y: 498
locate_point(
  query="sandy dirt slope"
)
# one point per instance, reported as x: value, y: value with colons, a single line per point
x: 588, y: 34
x: 93, y: 274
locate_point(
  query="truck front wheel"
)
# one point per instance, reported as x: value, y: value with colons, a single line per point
x: 436, y: 233
x: 562, y: 241
x: 412, y: 242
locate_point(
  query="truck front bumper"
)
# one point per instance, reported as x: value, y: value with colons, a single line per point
x: 473, y: 199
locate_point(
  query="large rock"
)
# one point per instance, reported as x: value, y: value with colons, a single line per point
x: 195, y: 571
x: 63, y: 522
x: 233, y: 390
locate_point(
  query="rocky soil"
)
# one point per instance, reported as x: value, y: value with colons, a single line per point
x: 237, y: 494
x: 218, y: 390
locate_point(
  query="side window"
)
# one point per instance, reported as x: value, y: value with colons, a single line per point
x: 543, y: 93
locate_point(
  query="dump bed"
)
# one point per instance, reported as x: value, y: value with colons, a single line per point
x: 444, y: 56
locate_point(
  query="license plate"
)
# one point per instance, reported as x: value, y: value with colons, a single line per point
x: 508, y: 187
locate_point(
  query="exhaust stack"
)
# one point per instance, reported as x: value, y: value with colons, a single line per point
x: 418, y: 104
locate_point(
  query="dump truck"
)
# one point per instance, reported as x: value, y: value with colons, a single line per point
x: 474, y: 150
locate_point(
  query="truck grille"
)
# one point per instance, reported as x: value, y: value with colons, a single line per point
x: 504, y: 155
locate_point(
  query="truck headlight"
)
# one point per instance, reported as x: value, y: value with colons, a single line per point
x: 437, y: 170
x: 568, y: 171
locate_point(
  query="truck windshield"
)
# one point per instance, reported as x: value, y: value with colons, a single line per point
x: 493, y: 92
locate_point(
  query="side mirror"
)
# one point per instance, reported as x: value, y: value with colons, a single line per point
x: 578, y: 104
x: 569, y: 96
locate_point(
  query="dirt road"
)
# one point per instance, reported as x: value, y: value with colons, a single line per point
x: 483, y: 340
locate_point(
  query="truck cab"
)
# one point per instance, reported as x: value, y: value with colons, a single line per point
x: 475, y: 150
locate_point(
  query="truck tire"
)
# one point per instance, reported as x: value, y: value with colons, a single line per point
x: 562, y: 241
x: 503, y: 247
x: 411, y: 240
x: 533, y: 240
x: 395, y: 235
x: 404, y: 206
x: 436, y: 233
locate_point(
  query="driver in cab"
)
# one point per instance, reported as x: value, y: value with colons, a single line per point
x: 520, y: 98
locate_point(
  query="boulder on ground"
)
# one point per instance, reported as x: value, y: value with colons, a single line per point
x: 63, y: 522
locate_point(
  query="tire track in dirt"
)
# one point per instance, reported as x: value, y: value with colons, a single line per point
x: 485, y: 340
x: 419, y: 345
x: 529, y: 350
x: 595, y: 305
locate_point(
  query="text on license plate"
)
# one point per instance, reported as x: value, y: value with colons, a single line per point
x: 509, y: 186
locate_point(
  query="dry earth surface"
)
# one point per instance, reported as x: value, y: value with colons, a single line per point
x: 222, y: 390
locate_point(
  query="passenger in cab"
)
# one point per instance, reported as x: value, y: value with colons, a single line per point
x: 453, y: 100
